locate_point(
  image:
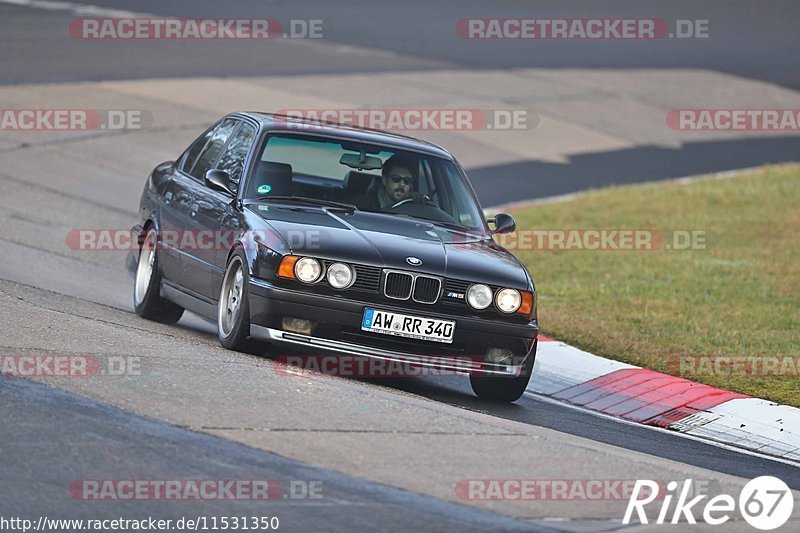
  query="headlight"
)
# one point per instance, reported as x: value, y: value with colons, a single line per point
x: 508, y: 300
x: 341, y: 276
x: 479, y: 296
x: 307, y: 270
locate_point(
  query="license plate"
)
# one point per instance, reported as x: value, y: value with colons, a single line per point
x: 412, y: 327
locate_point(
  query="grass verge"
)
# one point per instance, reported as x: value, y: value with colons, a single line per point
x: 726, y: 313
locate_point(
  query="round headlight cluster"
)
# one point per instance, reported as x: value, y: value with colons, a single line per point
x: 508, y: 300
x: 341, y: 276
x: 307, y: 270
x: 479, y: 296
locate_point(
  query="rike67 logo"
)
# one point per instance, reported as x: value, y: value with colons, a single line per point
x: 765, y: 503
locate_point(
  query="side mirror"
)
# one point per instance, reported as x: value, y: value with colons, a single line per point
x: 219, y: 180
x: 503, y: 223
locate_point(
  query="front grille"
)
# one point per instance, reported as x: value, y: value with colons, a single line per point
x: 426, y: 290
x: 398, y: 285
x: 368, y: 278
x: 455, y: 291
x: 402, y: 286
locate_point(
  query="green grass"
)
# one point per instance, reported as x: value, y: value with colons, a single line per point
x: 738, y: 296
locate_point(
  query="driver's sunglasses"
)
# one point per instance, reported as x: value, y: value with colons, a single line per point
x: 398, y: 179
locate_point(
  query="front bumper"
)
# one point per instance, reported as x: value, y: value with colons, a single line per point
x: 337, y: 328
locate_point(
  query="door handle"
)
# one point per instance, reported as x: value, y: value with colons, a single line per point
x: 195, y: 207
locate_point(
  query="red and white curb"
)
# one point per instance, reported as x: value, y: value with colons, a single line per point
x: 638, y: 395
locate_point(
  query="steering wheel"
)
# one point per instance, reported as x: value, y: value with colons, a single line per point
x: 425, y: 199
x: 402, y: 202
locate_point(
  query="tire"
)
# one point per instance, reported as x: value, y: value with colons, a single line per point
x: 147, y: 300
x: 233, y: 308
x: 503, y: 389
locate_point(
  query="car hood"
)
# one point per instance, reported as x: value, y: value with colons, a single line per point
x: 376, y: 239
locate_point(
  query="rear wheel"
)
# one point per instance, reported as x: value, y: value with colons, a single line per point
x: 147, y: 300
x: 503, y: 389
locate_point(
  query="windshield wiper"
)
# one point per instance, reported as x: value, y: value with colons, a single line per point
x: 451, y: 225
x: 316, y: 201
x: 434, y: 221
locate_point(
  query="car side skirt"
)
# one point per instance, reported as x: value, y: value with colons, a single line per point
x: 188, y: 301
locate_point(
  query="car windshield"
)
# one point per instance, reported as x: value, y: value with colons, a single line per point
x: 370, y: 177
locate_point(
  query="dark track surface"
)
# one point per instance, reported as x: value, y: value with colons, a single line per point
x: 539, y: 179
x: 100, y: 439
x: 751, y: 39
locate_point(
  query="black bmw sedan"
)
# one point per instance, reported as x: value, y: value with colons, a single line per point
x: 337, y: 240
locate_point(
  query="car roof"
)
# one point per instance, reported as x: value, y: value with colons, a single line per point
x: 278, y: 122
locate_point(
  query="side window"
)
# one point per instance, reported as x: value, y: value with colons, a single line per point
x: 451, y: 200
x: 232, y: 160
x: 212, y: 148
x: 424, y: 180
x: 195, y: 149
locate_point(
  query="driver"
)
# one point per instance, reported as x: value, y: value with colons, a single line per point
x: 398, y: 176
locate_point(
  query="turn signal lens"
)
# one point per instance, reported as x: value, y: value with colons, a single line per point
x: 286, y: 269
x: 526, y: 308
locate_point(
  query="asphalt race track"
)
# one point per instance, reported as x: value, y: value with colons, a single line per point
x: 610, y: 97
x: 387, y: 453
x: 748, y: 41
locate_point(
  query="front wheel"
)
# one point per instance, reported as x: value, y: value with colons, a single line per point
x: 233, y: 310
x: 147, y: 300
x: 503, y: 389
